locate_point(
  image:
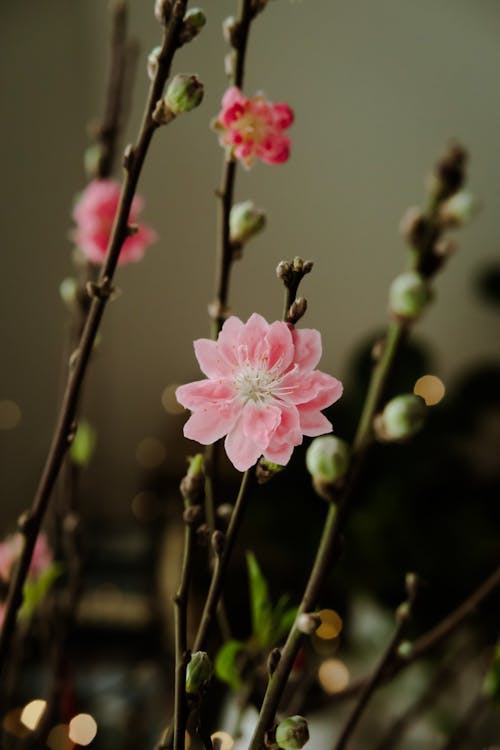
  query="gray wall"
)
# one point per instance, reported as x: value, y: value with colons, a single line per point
x: 378, y: 88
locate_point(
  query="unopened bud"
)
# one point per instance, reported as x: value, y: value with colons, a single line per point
x: 404, y: 649
x: 153, y: 62
x: 230, y: 28
x: 327, y: 458
x: 292, y: 733
x: 224, y: 512
x: 184, y: 93
x: 411, y: 584
x: 449, y: 173
x: 266, y: 470
x: 193, y: 515
x: 403, y: 613
x: 245, y: 221
x: 203, y: 534
x: 308, y: 622
x: 192, y: 483
x: 218, y: 541
x: 163, y: 9
x: 297, y: 310
x: 458, y: 210
x: 198, y: 672
x: 284, y: 271
x: 68, y: 290
x: 403, y: 417
x: 230, y: 63
x: 409, y: 295
x: 194, y: 21
x: 444, y: 248
x: 413, y: 226
x: 273, y: 660
x: 92, y: 159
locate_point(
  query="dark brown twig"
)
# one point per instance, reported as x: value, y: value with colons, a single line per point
x: 30, y: 522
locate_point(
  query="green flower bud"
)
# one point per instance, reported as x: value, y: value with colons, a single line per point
x: 409, y: 295
x: 403, y: 417
x: 193, y: 481
x: 404, y: 649
x: 153, y: 62
x: 245, y: 220
x: 69, y: 291
x: 198, y: 672
x: 327, y: 458
x: 83, y: 444
x: 184, y: 93
x: 292, y: 733
x: 194, y: 21
x: 458, y: 210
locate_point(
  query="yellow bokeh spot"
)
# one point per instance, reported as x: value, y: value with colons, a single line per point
x: 430, y: 388
x: 169, y: 402
x: 333, y: 676
x: 331, y: 624
x: 82, y: 729
x: 32, y: 713
x: 10, y: 414
x: 222, y: 741
x: 150, y: 453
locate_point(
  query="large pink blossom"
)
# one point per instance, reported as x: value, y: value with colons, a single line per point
x: 94, y: 215
x: 261, y: 390
x: 254, y: 128
x: 10, y: 550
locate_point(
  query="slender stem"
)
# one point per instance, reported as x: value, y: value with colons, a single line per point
x: 373, y: 683
x: 32, y: 521
x: 225, y: 193
x: 222, y: 562
x: 435, y: 635
x: 181, y: 652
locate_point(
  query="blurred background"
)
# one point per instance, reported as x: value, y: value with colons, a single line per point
x: 378, y: 90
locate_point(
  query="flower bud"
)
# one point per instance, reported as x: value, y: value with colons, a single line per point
x: 409, y: 294
x: 163, y: 9
x: 245, y: 220
x: 229, y: 29
x: 403, y: 417
x: 192, y: 483
x: 308, y: 622
x: 292, y: 733
x: 184, y: 93
x: 229, y: 65
x: 266, y: 470
x: 327, y: 458
x: 458, y: 210
x: 404, y: 649
x: 153, y: 62
x: 198, y: 672
x: 194, y: 21
x: 413, y: 226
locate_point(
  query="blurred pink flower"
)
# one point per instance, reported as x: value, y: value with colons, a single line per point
x: 261, y: 391
x: 254, y: 127
x: 94, y: 214
x: 10, y: 549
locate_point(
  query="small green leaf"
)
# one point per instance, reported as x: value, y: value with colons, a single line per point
x: 226, y: 663
x: 260, y: 602
x: 35, y: 590
x: 83, y: 445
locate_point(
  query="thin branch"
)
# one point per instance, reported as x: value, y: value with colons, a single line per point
x: 31, y: 522
x: 181, y: 652
x: 377, y: 675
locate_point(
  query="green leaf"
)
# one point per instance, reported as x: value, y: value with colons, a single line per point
x: 35, y: 590
x: 260, y: 602
x: 83, y: 445
x: 226, y: 663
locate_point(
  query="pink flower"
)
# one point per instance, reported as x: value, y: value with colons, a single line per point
x: 254, y: 127
x: 10, y: 550
x: 94, y: 214
x: 261, y: 391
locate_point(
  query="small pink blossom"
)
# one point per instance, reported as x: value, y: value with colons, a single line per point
x: 10, y: 550
x: 261, y: 390
x: 94, y: 215
x: 254, y: 128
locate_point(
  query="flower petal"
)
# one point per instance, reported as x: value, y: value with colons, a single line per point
x: 211, y: 422
x: 212, y: 362
x: 201, y: 392
x: 308, y: 348
x: 329, y: 390
x: 280, y: 343
x: 287, y: 435
x: 229, y: 338
x: 259, y: 422
x: 314, y: 423
x: 242, y: 452
x: 251, y: 339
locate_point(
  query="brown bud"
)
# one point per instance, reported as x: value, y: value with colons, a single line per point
x: 413, y: 226
x: 203, y: 534
x: 284, y: 271
x: 297, y: 309
x: 218, y: 542
x: 224, y: 512
x: 273, y: 660
x: 193, y: 515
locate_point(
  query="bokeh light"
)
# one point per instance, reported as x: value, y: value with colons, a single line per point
x: 333, y: 676
x: 11, y: 723
x: 169, y: 402
x: 58, y: 738
x: 32, y: 713
x: 82, y: 729
x: 10, y: 414
x: 331, y: 624
x: 146, y: 506
x: 222, y: 741
x: 150, y: 453
x: 430, y: 388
